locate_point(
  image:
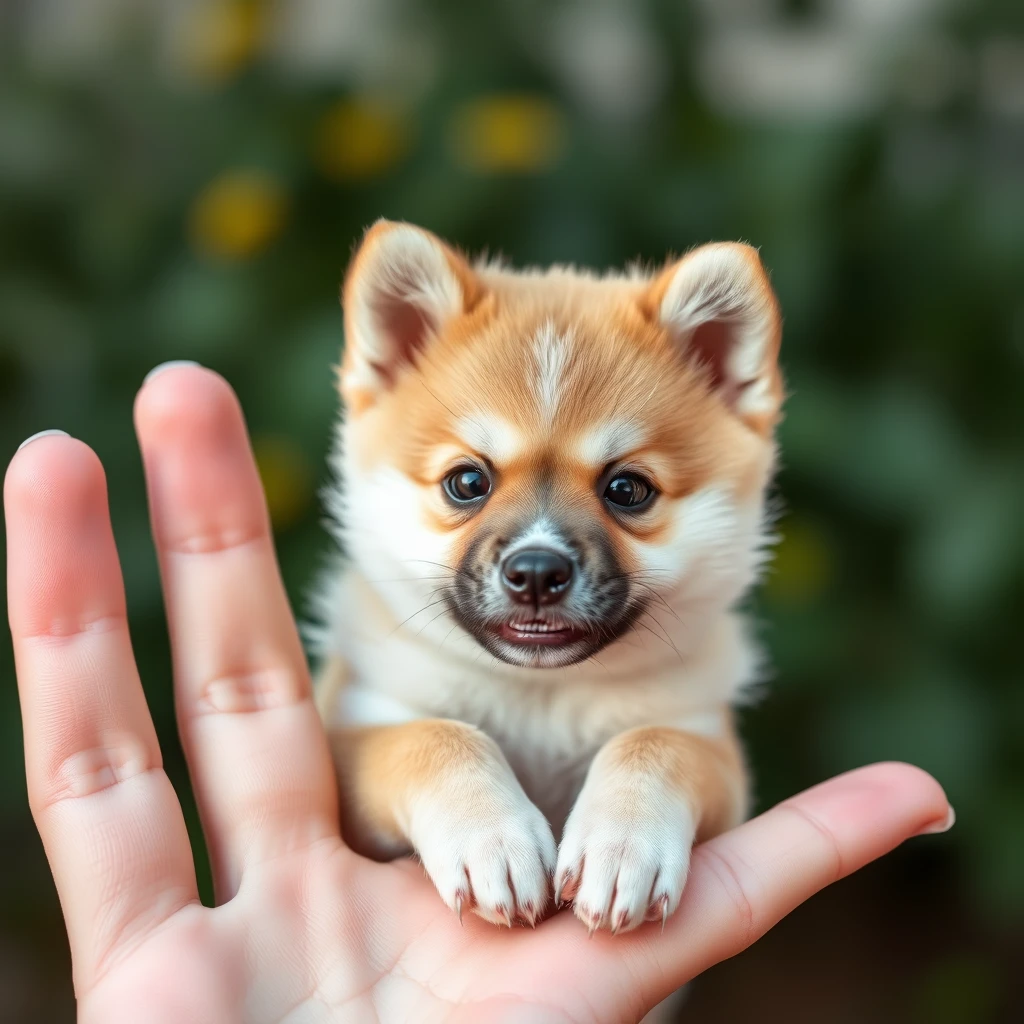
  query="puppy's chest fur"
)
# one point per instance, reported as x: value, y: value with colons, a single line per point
x: 548, y: 723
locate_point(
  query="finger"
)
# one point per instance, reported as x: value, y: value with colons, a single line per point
x: 745, y: 881
x: 254, y: 742
x: 108, y: 816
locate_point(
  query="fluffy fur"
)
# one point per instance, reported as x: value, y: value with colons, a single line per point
x: 459, y: 731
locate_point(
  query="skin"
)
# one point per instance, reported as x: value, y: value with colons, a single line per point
x: 304, y: 930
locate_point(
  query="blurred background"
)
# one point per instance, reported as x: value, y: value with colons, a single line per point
x: 187, y: 179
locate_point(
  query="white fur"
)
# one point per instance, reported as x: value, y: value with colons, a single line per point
x: 359, y: 706
x: 714, y: 549
x: 491, y: 436
x: 712, y: 724
x: 626, y: 847
x: 481, y: 832
x: 609, y: 442
x: 397, y: 553
x: 551, y: 353
x: 541, y: 533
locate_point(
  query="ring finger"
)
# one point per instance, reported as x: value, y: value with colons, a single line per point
x: 256, y: 749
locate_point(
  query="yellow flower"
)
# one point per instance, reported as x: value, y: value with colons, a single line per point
x: 238, y: 214
x: 512, y: 133
x: 287, y: 479
x: 802, y: 566
x: 361, y: 138
x: 222, y: 37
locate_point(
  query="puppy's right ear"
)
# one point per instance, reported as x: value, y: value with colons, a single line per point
x: 403, y: 286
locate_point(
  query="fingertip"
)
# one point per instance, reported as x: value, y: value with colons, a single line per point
x: 204, y: 488
x: 909, y: 784
x: 893, y: 798
x: 898, y: 778
x: 915, y: 784
x: 907, y: 777
x: 939, y: 825
x: 184, y: 396
x: 62, y: 566
x: 54, y: 466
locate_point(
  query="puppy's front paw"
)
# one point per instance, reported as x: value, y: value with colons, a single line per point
x: 625, y: 852
x: 488, y: 849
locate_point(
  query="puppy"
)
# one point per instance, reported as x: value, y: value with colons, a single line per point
x: 551, y: 495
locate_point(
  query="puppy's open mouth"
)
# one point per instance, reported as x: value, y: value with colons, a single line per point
x: 541, y: 632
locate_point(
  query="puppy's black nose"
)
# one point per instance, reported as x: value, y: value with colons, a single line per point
x: 536, y: 576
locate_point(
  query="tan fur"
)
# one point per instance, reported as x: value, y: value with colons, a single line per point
x: 709, y: 771
x: 637, y: 741
x: 383, y: 768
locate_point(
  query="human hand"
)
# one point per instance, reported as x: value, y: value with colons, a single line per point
x: 304, y: 930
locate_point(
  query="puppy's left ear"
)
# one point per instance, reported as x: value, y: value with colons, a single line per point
x: 718, y: 305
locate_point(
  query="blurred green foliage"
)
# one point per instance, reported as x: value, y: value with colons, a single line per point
x: 199, y: 199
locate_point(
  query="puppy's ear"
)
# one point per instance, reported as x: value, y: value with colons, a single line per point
x: 718, y: 304
x: 403, y: 285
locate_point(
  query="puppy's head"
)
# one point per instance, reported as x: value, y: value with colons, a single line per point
x: 550, y: 458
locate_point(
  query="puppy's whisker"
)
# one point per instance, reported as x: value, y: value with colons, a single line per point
x: 433, y: 396
x: 409, y: 579
x: 455, y: 626
x: 656, y: 595
x: 440, y: 565
x: 664, y: 639
x: 425, y: 608
x: 433, y: 620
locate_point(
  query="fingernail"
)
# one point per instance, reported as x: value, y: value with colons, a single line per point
x: 167, y: 366
x: 43, y: 433
x: 936, y: 827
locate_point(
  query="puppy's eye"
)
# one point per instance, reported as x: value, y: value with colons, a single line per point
x: 466, y: 484
x: 629, y: 491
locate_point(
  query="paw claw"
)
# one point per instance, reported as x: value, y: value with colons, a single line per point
x: 495, y: 865
x: 593, y: 919
x: 616, y: 862
x: 568, y: 885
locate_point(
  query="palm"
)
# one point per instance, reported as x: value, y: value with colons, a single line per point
x: 304, y: 930
x: 373, y: 939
